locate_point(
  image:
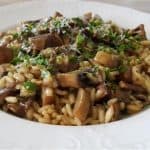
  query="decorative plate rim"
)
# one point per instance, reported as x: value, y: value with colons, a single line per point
x: 127, y: 134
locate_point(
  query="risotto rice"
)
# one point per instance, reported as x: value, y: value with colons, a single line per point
x: 74, y: 71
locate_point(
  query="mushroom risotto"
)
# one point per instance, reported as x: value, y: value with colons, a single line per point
x: 74, y: 71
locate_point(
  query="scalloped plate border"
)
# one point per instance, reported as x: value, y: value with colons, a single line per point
x: 129, y: 134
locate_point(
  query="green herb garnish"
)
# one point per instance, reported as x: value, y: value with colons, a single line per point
x: 87, y: 55
x: 27, y: 30
x: 60, y: 25
x: 30, y: 86
x: 40, y: 60
x: 78, y: 21
x: 107, y: 72
x: 51, y: 68
x: 122, y: 68
x: 22, y: 57
x: 15, y: 35
x: 95, y: 22
x: 80, y: 39
x: 73, y: 59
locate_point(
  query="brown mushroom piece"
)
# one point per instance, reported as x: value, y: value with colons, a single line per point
x: 17, y: 109
x: 107, y: 59
x: 87, y: 17
x: 79, y: 78
x: 68, y: 79
x: 47, y: 96
x: 63, y: 68
x: 4, y: 93
x: 82, y: 105
x: 46, y: 40
x: 139, y: 30
x: 121, y: 94
x: 57, y: 14
x: 131, y: 87
x: 65, y: 65
x: 88, y: 77
x: 6, y: 54
x: 31, y: 21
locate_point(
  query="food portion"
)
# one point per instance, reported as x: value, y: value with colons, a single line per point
x: 74, y: 71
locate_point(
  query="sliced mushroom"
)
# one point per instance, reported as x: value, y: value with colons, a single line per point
x: 26, y: 103
x: 106, y: 59
x: 122, y: 95
x: 57, y: 14
x: 46, y: 40
x: 65, y: 65
x: 82, y: 105
x: 17, y: 109
x: 47, y: 96
x: 87, y: 16
x: 139, y: 30
x: 6, y: 55
x: 132, y: 87
x: 142, y: 97
x: 89, y: 77
x: 4, y: 93
x: 68, y: 79
x: 31, y: 21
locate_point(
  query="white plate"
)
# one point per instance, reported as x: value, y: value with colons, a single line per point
x: 128, y: 134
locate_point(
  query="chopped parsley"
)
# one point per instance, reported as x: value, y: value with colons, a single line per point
x: 78, y: 21
x: 27, y: 30
x: 15, y: 35
x: 73, y: 58
x: 60, y: 25
x: 87, y: 55
x: 51, y: 68
x: 120, y: 69
x: 30, y: 86
x: 107, y: 72
x: 40, y: 60
x: 95, y: 22
x: 22, y: 57
x: 80, y: 39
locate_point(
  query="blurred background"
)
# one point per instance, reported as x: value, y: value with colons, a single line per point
x: 143, y: 5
